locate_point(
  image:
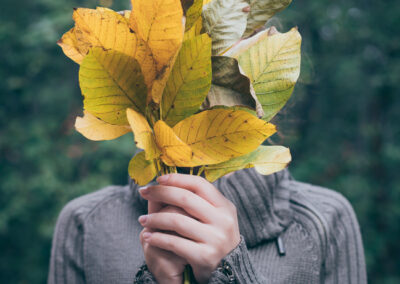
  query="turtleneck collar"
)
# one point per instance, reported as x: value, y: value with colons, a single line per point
x: 262, y: 202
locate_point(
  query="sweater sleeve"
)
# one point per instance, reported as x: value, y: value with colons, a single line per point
x: 66, y: 262
x: 237, y: 268
x: 344, y: 262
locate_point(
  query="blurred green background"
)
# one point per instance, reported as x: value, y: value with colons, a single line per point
x: 342, y: 124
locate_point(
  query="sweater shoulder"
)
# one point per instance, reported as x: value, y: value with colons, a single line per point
x: 330, y: 215
x: 82, y: 207
x: 331, y: 205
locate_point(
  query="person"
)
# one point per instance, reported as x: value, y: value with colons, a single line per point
x: 244, y: 228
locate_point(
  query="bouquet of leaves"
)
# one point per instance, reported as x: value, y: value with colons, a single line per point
x: 197, y: 82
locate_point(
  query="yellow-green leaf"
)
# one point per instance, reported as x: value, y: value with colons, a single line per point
x: 142, y: 171
x: 111, y: 82
x: 189, y: 81
x: 261, y: 11
x: 194, y: 31
x: 143, y: 134
x: 272, y: 62
x: 225, y: 21
x: 265, y: 159
x: 193, y: 14
x: 174, y: 151
x: 219, y: 135
x: 94, y: 129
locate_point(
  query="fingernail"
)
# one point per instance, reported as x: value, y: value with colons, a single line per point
x: 143, y: 190
x: 142, y: 219
x: 146, y: 235
x: 163, y: 179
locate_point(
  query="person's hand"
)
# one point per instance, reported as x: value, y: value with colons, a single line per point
x: 203, y: 238
x: 166, y: 266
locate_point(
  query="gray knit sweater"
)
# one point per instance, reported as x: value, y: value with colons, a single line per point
x: 96, y: 239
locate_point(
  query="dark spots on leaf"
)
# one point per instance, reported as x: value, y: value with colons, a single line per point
x: 135, y: 142
x: 226, y: 139
x: 230, y: 115
x: 131, y: 31
x: 245, y: 121
x: 74, y: 8
x: 172, y: 106
x: 118, y: 113
x: 161, y: 73
x: 191, y: 67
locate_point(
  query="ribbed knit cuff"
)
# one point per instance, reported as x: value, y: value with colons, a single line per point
x: 144, y: 276
x: 236, y: 267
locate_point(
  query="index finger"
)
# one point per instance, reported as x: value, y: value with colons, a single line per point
x: 195, y: 184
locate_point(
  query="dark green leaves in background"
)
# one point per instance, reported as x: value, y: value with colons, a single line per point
x: 342, y: 125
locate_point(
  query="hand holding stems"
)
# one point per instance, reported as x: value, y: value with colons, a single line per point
x: 166, y: 266
x: 201, y: 235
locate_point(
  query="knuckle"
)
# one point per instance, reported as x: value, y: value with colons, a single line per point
x: 183, y: 198
x: 175, y: 222
x: 219, y: 239
x: 210, y: 254
x: 231, y: 207
x: 228, y: 221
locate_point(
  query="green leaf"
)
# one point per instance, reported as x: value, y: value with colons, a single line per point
x: 111, y: 82
x: 189, y: 82
x: 225, y: 21
x: 261, y: 11
x: 193, y: 13
x: 272, y: 62
x: 266, y: 160
x: 230, y: 86
x: 142, y: 171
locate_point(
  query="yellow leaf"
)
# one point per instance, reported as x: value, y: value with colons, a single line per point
x: 189, y: 81
x: 219, y: 135
x: 70, y: 46
x: 111, y: 82
x: 272, y: 62
x: 159, y: 23
x: 174, y: 151
x: 94, y: 129
x: 265, y: 159
x: 143, y: 134
x: 142, y: 171
x: 107, y: 29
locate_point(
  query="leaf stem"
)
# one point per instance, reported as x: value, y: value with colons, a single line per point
x: 201, y: 170
x: 186, y: 275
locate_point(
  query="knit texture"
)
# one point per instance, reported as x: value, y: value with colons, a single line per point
x: 96, y: 239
